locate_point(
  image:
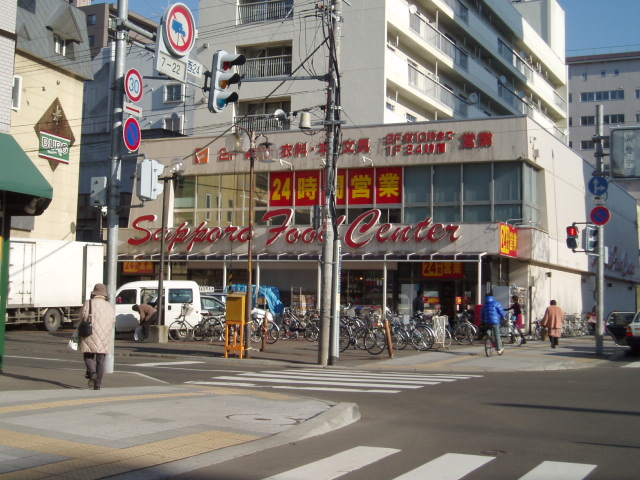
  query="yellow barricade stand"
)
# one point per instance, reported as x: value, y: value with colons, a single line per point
x: 236, y: 322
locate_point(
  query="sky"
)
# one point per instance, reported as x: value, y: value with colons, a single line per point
x: 593, y: 26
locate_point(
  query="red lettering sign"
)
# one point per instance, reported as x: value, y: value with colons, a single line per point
x: 308, y: 189
x: 281, y: 189
x: 388, y: 185
x: 360, y: 186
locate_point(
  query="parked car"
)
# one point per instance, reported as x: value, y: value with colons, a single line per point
x: 633, y: 334
x: 213, y: 304
x: 616, y: 325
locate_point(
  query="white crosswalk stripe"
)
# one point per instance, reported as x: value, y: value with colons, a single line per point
x: 333, y: 380
x: 450, y: 466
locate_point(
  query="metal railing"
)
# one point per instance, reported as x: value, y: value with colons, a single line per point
x: 264, y: 11
x: 261, y: 123
x: 266, y: 67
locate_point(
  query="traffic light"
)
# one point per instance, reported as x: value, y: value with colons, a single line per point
x: 591, y: 238
x: 221, y: 78
x: 147, y: 173
x: 572, y: 237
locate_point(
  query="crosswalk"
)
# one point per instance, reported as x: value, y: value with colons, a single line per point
x: 450, y: 466
x: 333, y: 380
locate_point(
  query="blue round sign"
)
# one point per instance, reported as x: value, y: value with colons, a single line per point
x: 131, y: 134
x: 598, y: 186
x: 600, y: 215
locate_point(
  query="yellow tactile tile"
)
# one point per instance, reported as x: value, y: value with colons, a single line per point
x: 87, y: 401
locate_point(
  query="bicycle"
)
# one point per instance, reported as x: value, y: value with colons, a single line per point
x: 464, y: 332
x: 490, y: 346
x: 212, y: 327
x: 181, y: 330
x: 258, y: 329
x: 510, y: 332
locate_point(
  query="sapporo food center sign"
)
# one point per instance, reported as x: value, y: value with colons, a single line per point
x: 381, y: 186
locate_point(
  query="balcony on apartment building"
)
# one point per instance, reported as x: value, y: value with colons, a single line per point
x: 260, y: 67
x: 262, y: 123
x: 251, y: 11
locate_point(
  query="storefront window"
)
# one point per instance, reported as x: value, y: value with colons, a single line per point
x: 185, y: 193
x: 446, y: 183
x: 417, y: 184
x: 416, y: 214
x: 477, y: 183
x: 446, y: 214
x: 477, y: 213
x: 507, y: 181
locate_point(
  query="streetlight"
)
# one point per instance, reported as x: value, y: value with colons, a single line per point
x: 266, y: 152
x: 175, y: 170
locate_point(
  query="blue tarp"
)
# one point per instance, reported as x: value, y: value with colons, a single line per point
x: 272, y: 294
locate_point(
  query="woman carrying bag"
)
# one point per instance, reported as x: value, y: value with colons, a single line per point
x: 95, y: 347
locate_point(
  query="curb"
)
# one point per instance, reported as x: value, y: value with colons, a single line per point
x: 338, y: 416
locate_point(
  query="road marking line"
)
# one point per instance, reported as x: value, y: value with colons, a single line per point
x: 450, y: 466
x: 632, y: 365
x: 298, y: 377
x: 559, y: 471
x: 315, y: 382
x: 288, y: 387
x: 186, y: 362
x: 336, y: 465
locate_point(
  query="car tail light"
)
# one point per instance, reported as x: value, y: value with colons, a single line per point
x: 629, y: 332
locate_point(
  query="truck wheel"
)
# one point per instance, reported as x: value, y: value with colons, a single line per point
x: 52, y: 319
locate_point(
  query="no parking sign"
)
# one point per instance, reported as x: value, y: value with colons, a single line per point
x: 131, y: 134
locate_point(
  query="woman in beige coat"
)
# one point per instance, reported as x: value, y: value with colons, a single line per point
x: 96, y: 346
x: 553, y: 320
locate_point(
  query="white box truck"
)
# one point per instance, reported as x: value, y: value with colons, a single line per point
x: 50, y: 279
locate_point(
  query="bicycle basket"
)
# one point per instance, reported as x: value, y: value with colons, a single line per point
x: 504, y: 322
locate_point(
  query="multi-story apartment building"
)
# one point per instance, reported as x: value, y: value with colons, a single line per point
x: 167, y: 107
x: 610, y: 80
x: 400, y: 61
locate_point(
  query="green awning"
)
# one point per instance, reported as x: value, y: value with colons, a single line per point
x: 18, y: 174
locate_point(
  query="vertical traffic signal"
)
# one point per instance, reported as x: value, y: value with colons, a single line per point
x: 221, y: 78
x: 147, y: 172
x: 591, y: 238
x: 572, y: 237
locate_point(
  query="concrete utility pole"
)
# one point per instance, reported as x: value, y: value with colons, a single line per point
x: 329, y: 261
x: 597, y: 139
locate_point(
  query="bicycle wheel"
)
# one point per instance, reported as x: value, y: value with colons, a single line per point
x: 399, y: 338
x: 179, y: 331
x: 216, y: 331
x: 199, y: 331
x: 447, y: 338
x: 256, y: 332
x: 537, y: 333
x: 344, y: 338
x: 359, y: 336
x: 463, y: 334
x: 489, y: 345
x: 422, y: 338
x: 375, y: 341
x: 517, y: 339
x: 311, y: 333
x: 273, y: 333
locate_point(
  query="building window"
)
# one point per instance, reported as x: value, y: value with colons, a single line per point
x: 601, y: 96
x: 637, y: 92
x: 411, y: 118
x: 174, y: 123
x: 614, y: 119
x: 571, y: 121
x: 173, y: 92
x: 92, y: 40
x: 589, y: 144
x: 588, y: 120
x: 603, y: 73
x: 91, y: 19
x: 616, y: 72
x: 16, y: 93
x: 59, y: 45
x: 584, y: 77
x: 637, y: 117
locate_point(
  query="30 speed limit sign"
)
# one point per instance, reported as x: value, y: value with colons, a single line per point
x: 133, y: 86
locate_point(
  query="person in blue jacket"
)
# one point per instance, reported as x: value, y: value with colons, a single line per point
x: 492, y: 315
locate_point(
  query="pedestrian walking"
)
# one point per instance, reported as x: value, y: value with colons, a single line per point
x: 553, y: 319
x: 148, y: 316
x: 95, y: 347
x: 492, y: 315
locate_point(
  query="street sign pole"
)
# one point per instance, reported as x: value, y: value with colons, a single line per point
x: 600, y: 271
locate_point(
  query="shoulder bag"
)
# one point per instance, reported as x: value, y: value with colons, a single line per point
x: 85, y: 329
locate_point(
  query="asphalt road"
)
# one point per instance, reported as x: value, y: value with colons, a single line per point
x: 511, y: 423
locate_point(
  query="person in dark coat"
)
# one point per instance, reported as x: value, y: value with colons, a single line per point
x: 517, y: 311
x: 148, y: 316
x: 418, y: 303
x: 96, y: 346
x: 492, y: 315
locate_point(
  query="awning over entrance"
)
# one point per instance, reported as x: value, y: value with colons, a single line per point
x: 21, y: 179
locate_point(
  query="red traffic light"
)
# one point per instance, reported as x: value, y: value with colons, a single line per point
x: 572, y: 231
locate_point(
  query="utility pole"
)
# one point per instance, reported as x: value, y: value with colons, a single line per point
x: 329, y: 290
x: 113, y: 199
x: 597, y: 139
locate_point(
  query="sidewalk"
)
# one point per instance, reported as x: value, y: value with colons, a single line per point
x: 53, y: 427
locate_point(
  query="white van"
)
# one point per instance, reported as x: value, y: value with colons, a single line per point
x: 176, y: 294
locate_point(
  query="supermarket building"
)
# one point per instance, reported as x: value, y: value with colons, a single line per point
x: 455, y: 208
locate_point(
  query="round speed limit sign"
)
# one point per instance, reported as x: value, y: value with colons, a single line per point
x: 133, y: 86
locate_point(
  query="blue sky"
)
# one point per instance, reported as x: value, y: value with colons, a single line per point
x: 593, y: 26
